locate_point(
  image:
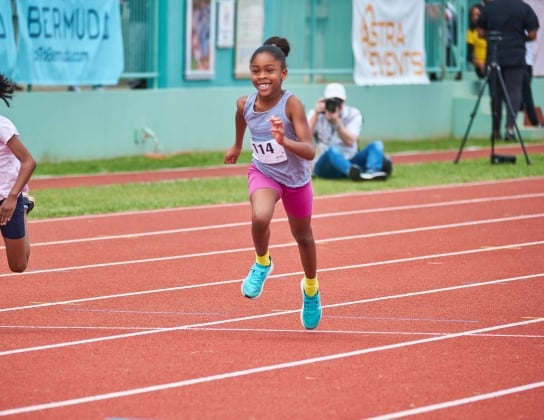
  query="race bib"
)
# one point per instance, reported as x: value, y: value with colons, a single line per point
x: 268, y: 151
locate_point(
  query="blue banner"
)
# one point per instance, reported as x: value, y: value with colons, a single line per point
x: 8, y: 53
x: 69, y: 42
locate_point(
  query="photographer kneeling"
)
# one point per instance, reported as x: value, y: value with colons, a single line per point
x: 336, y: 128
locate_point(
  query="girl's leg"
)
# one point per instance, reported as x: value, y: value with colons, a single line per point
x: 311, y: 312
x: 18, y: 252
x: 298, y: 206
x: 263, y: 202
x: 302, y: 232
x: 17, y: 240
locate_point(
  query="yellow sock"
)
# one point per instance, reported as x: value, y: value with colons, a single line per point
x: 264, y: 260
x: 311, y: 286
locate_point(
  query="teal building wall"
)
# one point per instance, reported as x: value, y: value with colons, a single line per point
x: 59, y: 126
x: 180, y: 115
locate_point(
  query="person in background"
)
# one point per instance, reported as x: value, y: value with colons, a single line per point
x: 528, y: 103
x: 280, y: 169
x: 507, y: 25
x: 16, y: 168
x: 476, y: 46
x: 336, y: 127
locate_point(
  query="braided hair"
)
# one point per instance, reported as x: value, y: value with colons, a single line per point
x: 6, y: 89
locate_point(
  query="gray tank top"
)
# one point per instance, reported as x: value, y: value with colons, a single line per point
x: 292, y: 172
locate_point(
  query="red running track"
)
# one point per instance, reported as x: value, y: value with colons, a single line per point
x: 433, y: 308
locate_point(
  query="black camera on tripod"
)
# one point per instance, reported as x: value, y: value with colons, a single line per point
x: 496, y: 87
x: 332, y: 104
x: 493, y: 39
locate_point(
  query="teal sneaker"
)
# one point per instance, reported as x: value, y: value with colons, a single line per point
x: 310, y: 315
x: 252, y: 286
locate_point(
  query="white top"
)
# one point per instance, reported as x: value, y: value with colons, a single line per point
x: 529, y: 60
x: 325, y: 135
x: 9, y: 164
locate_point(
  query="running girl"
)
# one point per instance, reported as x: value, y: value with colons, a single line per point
x: 283, y: 149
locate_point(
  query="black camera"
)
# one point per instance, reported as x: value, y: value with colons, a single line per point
x: 332, y: 104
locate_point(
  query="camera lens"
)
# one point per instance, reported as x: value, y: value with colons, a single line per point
x: 331, y: 104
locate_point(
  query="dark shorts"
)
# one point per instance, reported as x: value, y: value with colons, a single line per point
x: 15, y: 228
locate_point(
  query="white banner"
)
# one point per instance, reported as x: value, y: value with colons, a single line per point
x: 388, y: 42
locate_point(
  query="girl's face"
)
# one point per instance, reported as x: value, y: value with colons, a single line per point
x: 267, y: 73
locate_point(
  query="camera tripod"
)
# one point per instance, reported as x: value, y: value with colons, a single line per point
x: 494, y: 68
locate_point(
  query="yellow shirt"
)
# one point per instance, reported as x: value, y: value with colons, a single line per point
x: 479, y: 45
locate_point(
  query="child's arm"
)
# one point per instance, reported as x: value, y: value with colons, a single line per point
x: 234, y: 152
x: 304, y: 147
x: 28, y: 164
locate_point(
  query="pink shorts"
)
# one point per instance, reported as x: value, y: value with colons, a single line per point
x: 297, y: 202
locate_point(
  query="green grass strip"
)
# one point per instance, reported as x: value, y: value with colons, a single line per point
x: 192, y: 192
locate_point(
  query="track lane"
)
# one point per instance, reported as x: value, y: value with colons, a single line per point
x: 391, y: 264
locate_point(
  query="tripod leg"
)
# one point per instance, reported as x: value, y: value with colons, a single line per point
x: 472, y: 115
x: 510, y: 109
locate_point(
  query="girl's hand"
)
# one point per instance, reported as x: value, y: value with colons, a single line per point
x: 7, y: 209
x: 277, y: 129
x: 231, y: 156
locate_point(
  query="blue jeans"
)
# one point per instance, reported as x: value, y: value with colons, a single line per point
x: 332, y: 164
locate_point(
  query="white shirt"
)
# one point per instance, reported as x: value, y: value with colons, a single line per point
x: 529, y: 53
x: 325, y: 134
x: 9, y: 164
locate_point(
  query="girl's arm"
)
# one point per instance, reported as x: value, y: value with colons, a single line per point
x: 28, y: 164
x: 240, y: 122
x: 304, y: 147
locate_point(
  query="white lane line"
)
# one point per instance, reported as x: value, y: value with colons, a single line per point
x: 282, y: 220
x: 254, y: 371
x: 276, y: 276
x: 462, y: 186
x: 461, y: 401
x: 255, y: 330
x: 265, y: 315
x: 273, y: 276
x: 276, y: 246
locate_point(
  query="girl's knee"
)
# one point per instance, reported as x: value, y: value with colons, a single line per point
x: 260, y: 221
x: 304, y: 238
x: 18, y: 266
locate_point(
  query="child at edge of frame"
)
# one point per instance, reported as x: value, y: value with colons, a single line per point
x: 17, y: 167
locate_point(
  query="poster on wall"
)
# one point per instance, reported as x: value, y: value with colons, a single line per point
x: 225, y: 23
x: 249, y: 34
x: 200, y: 47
